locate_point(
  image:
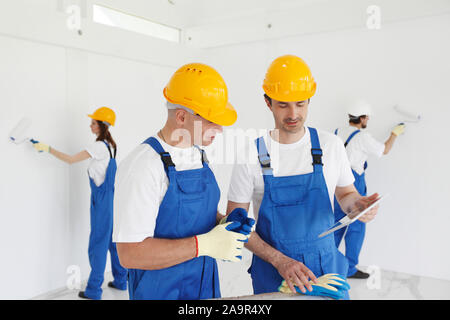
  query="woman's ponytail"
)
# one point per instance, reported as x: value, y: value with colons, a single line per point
x: 105, y: 134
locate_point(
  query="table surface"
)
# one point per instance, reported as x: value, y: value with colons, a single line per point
x: 276, y: 296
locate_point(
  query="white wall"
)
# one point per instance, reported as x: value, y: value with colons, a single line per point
x: 133, y: 90
x: 56, y: 77
x: 34, y: 194
x: 404, y: 62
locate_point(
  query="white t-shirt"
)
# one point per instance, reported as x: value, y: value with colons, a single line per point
x: 360, y: 147
x: 99, y: 161
x: 141, y: 184
x: 247, y: 183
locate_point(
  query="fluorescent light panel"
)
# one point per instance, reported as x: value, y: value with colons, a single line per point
x: 114, y: 18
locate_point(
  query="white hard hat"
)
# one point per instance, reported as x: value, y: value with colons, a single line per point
x: 359, y: 108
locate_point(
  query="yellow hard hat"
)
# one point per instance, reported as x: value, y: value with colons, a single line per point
x: 203, y: 90
x: 289, y: 79
x: 104, y: 114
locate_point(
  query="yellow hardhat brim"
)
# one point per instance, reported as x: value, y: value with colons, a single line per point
x: 104, y: 114
x: 225, y: 118
x: 96, y: 118
x: 290, y: 96
x: 92, y: 116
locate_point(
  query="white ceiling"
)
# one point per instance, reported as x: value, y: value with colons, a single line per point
x: 189, y: 13
x: 208, y: 23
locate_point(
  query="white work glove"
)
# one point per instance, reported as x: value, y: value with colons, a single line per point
x: 221, y: 243
x: 398, y: 129
x: 41, y: 147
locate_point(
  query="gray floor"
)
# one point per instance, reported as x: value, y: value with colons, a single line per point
x: 395, y: 285
x: 383, y: 285
x: 66, y: 294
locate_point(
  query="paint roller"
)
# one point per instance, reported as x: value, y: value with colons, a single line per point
x: 410, y: 117
x: 18, y: 134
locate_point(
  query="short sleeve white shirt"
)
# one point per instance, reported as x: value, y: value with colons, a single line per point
x: 360, y: 147
x: 141, y: 184
x: 99, y: 161
x: 247, y: 183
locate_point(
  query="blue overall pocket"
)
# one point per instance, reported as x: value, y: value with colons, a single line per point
x: 294, y: 218
x: 192, y: 201
x: 285, y: 193
x: 191, y: 185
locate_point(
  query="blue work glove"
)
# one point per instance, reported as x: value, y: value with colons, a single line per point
x: 240, y: 215
x: 329, y: 285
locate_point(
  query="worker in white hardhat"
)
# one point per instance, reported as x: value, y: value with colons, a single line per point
x: 168, y: 230
x: 359, y: 145
x: 102, y: 172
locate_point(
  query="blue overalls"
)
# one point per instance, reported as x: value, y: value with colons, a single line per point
x: 100, y: 238
x: 189, y: 208
x: 355, y: 232
x: 294, y: 211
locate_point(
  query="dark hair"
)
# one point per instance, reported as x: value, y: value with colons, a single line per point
x: 270, y: 99
x: 105, y: 134
x: 355, y: 120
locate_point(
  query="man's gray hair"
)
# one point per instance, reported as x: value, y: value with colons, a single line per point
x: 173, y: 106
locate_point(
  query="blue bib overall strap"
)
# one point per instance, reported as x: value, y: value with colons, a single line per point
x: 188, y: 208
x: 316, y: 151
x: 100, y: 238
x: 169, y: 166
x: 350, y: 138
x: 109, y: 150
x: 203, y: 154
x: 293, y: 212
x: 355, y: 232
x: 263, y: 156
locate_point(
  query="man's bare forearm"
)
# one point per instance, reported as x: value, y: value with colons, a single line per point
x: 156, y: 253
x: 389, y: 143
x: 351, y: 202
x: 293, y: 271
x: 347, y: 201
x: 262, y: 249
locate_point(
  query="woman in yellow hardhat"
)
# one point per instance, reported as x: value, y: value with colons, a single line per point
x: 101, y: 171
